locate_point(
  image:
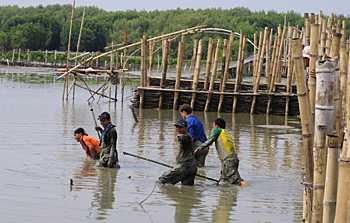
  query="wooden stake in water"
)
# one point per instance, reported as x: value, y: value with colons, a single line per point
x: 180, y: 59
x: 197, y: 72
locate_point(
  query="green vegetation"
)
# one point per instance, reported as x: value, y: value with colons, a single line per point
x: 41, y: 28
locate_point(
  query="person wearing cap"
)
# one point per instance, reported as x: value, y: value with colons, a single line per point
x: 196, y: 130
x: 226, y: 151
x: 108, y: 142
x: 306, y: 59
x: 90, y: 145
x: 186, y: 167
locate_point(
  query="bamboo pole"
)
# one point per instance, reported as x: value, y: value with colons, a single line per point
x: 314, y: 39
x: 323, y: 40
x: 272, y: 60
x: 197, y: 72
x: 343, y: 69
x: 255, y: 53
x: 330, y: 192
x: 227, y: 66
x: 319, y: 173
x: 239, y: 83
x: 258, y: 57
x: 259, y: 70
x: 180, y: 59
x: 307, y: 31
x: 143, y: 68
x: 111, y: 74
x: 289, y: 68
x: 238, y: 69
x: 335, y: 57
x: 194, y: 55
x: 268, y: 58
x: 165, y: 53
x: 306, y: 118
x: 279, y: 58
x: 65, y: 86
x: 224, y: 53
x: 213, y: 74
x: 209, y: 62
x: 152, y: 47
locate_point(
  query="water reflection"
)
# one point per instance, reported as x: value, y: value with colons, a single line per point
x: 186, y: 199
x: 100, y: 180
x: 226, y: 203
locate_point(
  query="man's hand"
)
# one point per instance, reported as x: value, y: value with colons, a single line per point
x: 312, y: 73
x: 98, y: 128
x: 196, y: 151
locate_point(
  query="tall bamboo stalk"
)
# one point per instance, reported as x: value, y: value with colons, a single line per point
x: 241, y: 37
x: 193, y: 60
x: 165, y: 53
x: 259, y: 70
x: 197, y: 72
x: 255, y: 56
x: 227, y: 66
x: 240, y: 72
x: 289, y: 68
x: 213, y: 74
x: 180, y: 59
x: 258, y: 56
x: 343, y: 69
x: 330, y: 192
x: 272, y: 61
x: 319, y: 173
x: 307, y: 29
x: 268, y: 58
x: 223, y: 59
x: 211, y: 46
x: 314, y: 38
x: 306, y: 118
x: 143, y: 68
x: 152, y: 47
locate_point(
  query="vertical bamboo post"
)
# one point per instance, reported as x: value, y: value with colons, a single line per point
x: 193, y: 60
x: 197, y: 72
x: 314, y: 38
x: 319, y: 173
x: 258, y: 56
x: 240, y: 75
x: 323, y: 38
x: 165, y: 52
x: 268, y: 58
x: 13, y: 55
x: 45, y: 57
x: 28, y: 56
x: 272, y: 60
x: 307, y: 29
x: 223, y: 59
x: 259, y: 69
x: 213, y: 74
x: 238, y: 69
x: 19, y: 54
x: 289, y: 68
x: 335, y: 56
x: 180, y: 59
x: 279, y: 61
x: 111, y: 74
x: 209, y: 61
x: 143, y: 81
x: 65, y: 86
x: 330, y: 192
x: 306, y: 119
x: 329, y: 38
x: 255, y: 55
x: 343, y: 69
x: 227, y: 66
x: 152, y: 47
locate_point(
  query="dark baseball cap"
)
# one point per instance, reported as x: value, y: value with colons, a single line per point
x: 104, y: 116
x: 181, y: 123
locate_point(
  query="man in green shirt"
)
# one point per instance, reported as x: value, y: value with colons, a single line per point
x: 226, y: 151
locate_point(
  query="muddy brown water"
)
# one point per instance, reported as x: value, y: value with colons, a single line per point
x: 40, y: 156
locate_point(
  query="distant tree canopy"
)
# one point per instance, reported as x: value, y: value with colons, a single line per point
x: 48, y: 27
x: 31, y: 32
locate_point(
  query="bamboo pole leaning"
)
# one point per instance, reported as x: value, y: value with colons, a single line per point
x: 180, y: 59
x: 259, y: 69
x: 197, y: 72
x: 213, y: 74
x: 306, y: 119
x: 238, y: 68
x: 165, y: 53
x: 227, y: 66
x: 211, y: 45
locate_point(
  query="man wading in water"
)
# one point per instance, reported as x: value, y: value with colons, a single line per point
x: 89, y: 144
x: 186, y: 167
x: 224, y: 145
x: 196, y: 130
x: 108, y: 142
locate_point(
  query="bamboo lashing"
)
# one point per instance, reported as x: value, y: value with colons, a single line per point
x: 197, y: 72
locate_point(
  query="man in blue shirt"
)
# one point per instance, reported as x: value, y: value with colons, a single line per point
x: 196, y: 130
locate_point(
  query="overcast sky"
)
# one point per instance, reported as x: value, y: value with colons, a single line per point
x: 301, y: 6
